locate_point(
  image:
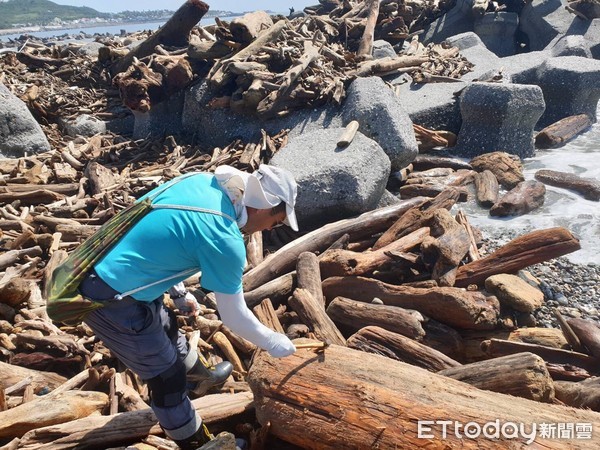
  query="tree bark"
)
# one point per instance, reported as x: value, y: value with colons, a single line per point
x: 356, y: 315
x: 267, y: 315
x: 562, y: 131
x: 499, y: 347
x: 365, y: 47
x: 175, y: 32
x: 522, y: 375
x: 588, y: 187
x: 588, y: 333
x: 348, y: 263
x: 308, y: 273
x: 123, y: 428
x: 11, y: 375
x: 380, y: 408
x: 584, y: 394
x: 452, y: 306
x: 526, y: 250
x: 486, y: 188
x: 312, y: 314
x: 277, y: 290
x: 44, y: 411
x: 416, y: 218
x: 284, y: 260
x: 373, y: 339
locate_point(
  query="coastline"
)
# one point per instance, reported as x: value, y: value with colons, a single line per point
x: 70, y: 27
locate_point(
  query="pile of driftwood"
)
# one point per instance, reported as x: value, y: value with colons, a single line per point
x: 406, y: 282
x: 272, y: 66
x: 495, y: 180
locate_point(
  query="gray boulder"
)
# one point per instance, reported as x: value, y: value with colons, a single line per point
x: 570, y: 45
x: 571, y: 86
x: 472, y: 48
x: 163, y: 119
x: 90, y: 49
x: 499, y: 117
x: 497, y: 32
x: 84, y: 125
x: 433, y: 105
x: 522, y: 68
x: 592, y: 35
x: 383, y: 49
x: 456, y: 21
x: 19, y: 131
x: 543, y: 20
x: 382, y: 118
x: 334, y: 183
x: 219, y: 127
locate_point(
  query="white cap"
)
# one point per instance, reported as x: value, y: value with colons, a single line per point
x: 265, y: 188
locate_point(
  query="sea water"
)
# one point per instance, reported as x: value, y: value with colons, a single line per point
x: 562, y: 207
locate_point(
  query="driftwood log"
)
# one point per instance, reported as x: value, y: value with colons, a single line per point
x: 525, y: 197
x: 175, y: 32
x: 559, y: 133
x: 486, y: 188
x: 526, y: 250
x: 372, y: 339
x: 284, y: 259
x: 583, y: 394
x: 354, y: 315
x: 499, y: 347
x: 106, y: 431
x: 43, y: 411
x: 10, y: 375
x: 349, y: 263
x: 312, y: 313
x: 452, y: 306
x: 522, y: 375
x: 588, y: 187
x: 294, y: 395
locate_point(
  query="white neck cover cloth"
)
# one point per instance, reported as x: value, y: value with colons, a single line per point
x: 252, y: 190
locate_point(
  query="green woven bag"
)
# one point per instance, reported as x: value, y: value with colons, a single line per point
x: 64, y: 301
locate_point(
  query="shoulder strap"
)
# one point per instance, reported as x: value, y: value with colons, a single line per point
x: 182, y: 208
x: 193, y: 208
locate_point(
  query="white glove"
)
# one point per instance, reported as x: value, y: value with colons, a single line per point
x: 187, y: 304
x: 280, y: 346
x: 236, y: 315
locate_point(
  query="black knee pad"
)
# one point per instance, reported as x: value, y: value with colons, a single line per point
x: 169, y: 388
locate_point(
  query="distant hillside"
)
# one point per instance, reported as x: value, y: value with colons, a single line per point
x: 41, y: 12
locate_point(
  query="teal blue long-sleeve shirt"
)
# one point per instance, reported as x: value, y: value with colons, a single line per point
x: 166, y: 242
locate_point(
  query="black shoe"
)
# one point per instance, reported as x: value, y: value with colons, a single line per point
x: 208, y: 377
x: 196, y: 440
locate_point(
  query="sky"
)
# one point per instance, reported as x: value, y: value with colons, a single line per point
x: 222, y: 5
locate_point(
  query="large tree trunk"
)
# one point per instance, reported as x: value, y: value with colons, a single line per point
x: 173, y: 33
x: 284, y: 259
x: 524, y: 251
x: 452, y: 306
x: 378, y: 402
x: 522, y: 375
x: 118, y: 429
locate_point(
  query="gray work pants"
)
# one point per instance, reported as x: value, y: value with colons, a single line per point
x: 145, y: 337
